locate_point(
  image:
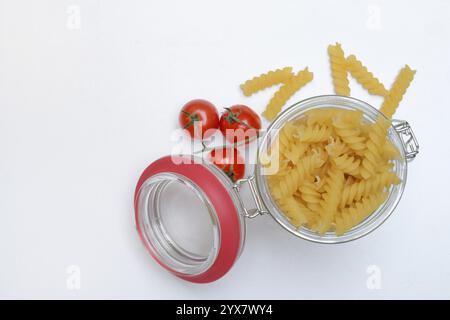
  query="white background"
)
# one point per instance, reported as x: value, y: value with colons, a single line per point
x: 84, y: 110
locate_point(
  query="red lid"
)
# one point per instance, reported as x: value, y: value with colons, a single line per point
x: 217, y: 194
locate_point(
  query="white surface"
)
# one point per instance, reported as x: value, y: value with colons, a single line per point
x: 83, y: 111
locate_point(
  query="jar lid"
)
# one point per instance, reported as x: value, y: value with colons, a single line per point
x: 201, y: 242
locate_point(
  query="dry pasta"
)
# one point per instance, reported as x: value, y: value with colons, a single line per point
x: 336, y: 147
x: 266, y: 80
x: 364, y: 77
x: 326, y: 181
x: 290, y: 86
x: 398, y: 89
x: 290, y: 184
x: 349, y: 133
x: 339, y: 70
x: 347, y: 164
x: 390, y: 151
x: 315, y: 133
x: 363, y: 188
x: 372, y: 153
x: 331, y: 198
x: 357, y: 212
x: 311, y: 196
x: 294, y: 210
x: 335, y: 168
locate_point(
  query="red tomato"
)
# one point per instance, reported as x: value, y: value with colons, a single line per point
x: 239, y: 122
x: 229, y: 161
x: 200, y: 118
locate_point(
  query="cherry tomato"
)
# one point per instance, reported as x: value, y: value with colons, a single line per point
x: 239, y: 122
x: 200, y: 118
x: 229, y: 161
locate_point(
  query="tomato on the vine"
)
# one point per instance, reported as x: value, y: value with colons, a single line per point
x: 229, y: 161
x: 200, y: 118
x: 239, y: 122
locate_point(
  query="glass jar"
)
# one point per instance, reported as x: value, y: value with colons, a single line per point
x: 203, y: 187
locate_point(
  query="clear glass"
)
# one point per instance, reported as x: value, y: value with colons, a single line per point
x: 186, y: 240
x: 376, y: 218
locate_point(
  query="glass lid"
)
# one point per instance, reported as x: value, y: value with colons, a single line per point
x: 188, y: 217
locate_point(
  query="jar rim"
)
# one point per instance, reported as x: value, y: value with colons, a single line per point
x: 374, y: 220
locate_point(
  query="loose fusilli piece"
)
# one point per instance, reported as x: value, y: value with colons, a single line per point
x: 364, y: 77
x: 290, y: 86
x: 398, y: 89
x: 339, y: 70
x: 266, y: 80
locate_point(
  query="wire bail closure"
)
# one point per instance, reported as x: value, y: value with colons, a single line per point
x: 254, y: 212
x: 409, y: 140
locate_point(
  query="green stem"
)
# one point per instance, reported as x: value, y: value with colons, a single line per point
x: 235, y: 117
x: 234, y: 145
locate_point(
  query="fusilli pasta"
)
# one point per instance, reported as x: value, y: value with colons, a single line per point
x: 290, y: 86
x: 347, y: 164
x: 290, y: 184
x: 310, y: 195
x: 364, y: 77
x: 350, y: 134
x: 363, y: 188
x: 335, y: 167
x: 326, y: 180
x: 357, y: 212
x: 339, y: 70
x: 376, y: 139
x: 266, y: 80
x: 331, y: 198
x: 398, y: 89
x: 335, y: 148
x: 315, y: 133
x: 293, y: 210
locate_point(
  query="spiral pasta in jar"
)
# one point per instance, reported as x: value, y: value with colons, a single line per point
x: 332, y: 168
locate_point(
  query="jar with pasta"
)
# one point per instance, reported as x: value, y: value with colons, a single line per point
x: 332, y: 168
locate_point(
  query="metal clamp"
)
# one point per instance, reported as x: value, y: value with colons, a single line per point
x: 408, y: 138
x: 254, y: 212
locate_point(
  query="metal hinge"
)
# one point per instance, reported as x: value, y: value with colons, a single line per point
x: 408, y: 138
x: 254, y: 212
